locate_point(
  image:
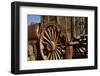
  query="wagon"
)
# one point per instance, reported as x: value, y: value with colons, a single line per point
x: 50, y: 42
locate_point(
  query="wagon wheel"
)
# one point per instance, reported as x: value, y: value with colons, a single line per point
x: 80, y: 50
x: 52, y: 46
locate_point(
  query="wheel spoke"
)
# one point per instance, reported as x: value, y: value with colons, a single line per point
x: 44, y: 42
x: 78, y: 52
x: 58, y: 44
x: 59, y: 48
x: 46, y: 39
x: 58, y: 55
x: 49, y: 32
x: 55, y: 33
x: 55, y: 55
x: 57, y: 39
x: 47, y: 35
x: 81, y: 50
x: 59, y: 51
x: 49, y: 55
x: 63, y: 46
x: 52, y: 32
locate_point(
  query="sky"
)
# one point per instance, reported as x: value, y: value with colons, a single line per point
x: 34, y: 18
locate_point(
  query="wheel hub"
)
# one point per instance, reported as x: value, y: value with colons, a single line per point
x: 53, y: 45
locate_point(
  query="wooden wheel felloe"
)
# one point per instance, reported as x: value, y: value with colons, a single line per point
x: 51, y: 44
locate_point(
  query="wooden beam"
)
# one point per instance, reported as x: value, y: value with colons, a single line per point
x: 69, y: 49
